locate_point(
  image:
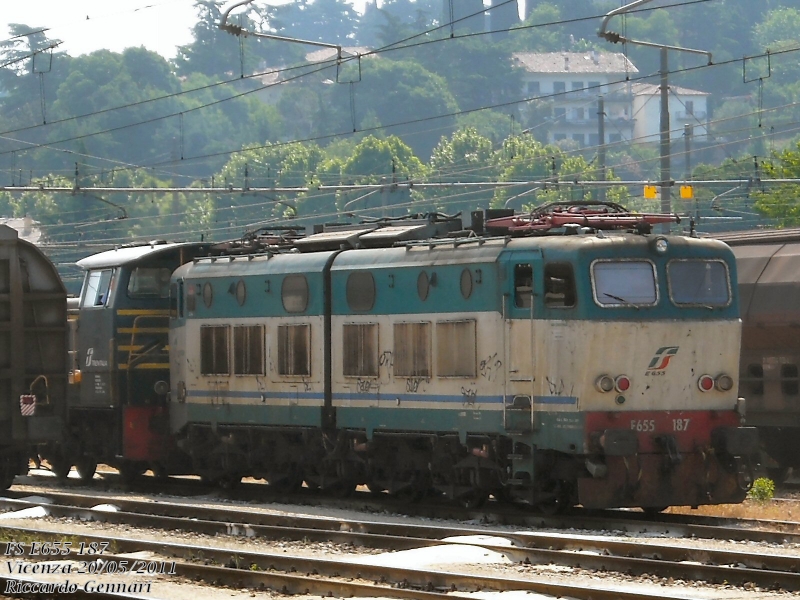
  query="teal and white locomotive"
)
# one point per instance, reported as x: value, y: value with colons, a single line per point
x: 563, y: 357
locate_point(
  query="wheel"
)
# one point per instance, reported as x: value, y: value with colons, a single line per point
x: 60, y: 467
x: 229, y: 482
x: 779, y: 474
x: 473, y: 499
x: 86, y: 468
x: 652, y: 511
x: 130, y: 471
x: 159, y: 472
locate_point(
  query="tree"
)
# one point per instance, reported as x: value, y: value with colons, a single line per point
x: 466, y: 156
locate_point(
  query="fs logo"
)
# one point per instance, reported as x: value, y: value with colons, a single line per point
x: 661, y: 360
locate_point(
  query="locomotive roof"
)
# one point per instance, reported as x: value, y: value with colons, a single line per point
x: 131, y: 254
x: 760, y: 236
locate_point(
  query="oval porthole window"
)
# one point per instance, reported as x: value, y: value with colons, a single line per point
x: 423, y: 286
x: 294, y: 293
x: 466, y: 283
x: 360, y: 291
x: 208, y: 295
x: 241, y: 292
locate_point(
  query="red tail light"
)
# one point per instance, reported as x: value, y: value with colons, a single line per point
x: 705, y: 383
x: 622, y: 383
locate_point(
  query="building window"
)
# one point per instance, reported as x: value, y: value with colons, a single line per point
x: 578, y: 137
x: 595, y: 86
x: 534, y: 87
x: 294, y: 343
x: 577, y: 85
x: 579, y: 114
x: 360, y: 350
x: 689, y: 104
x: 594, y: 139
x: 614, y: 138
x: 559, y: 87
x: 456, y: 348
x: 214, y: 350
x: 412, y: 345
x: 248, y: 350
x: 559, y: 113
x: 558, y: 137
x: 559, y: 285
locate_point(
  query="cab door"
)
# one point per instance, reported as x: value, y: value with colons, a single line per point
x: 96, y: 340
x: 521, y: 305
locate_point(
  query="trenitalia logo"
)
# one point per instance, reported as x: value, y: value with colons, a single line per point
x: 662, y: 357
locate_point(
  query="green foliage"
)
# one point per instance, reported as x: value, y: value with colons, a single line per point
x: 763, y: 490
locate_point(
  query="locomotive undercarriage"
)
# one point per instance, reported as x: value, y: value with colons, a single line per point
x: 409, y: 466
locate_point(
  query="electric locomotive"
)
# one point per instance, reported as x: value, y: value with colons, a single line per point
x: 568, y: 356
x: 33, y: 353
x: 769, y: 284
x: 117, y: 397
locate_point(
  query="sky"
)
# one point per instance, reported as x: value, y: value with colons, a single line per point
x: 88, y: 25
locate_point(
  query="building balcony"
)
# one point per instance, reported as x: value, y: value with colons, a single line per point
x: 691, y: 117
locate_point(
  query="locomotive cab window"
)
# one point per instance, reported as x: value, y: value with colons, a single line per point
x: 149, y: 282
x: 294, y: 345
x: 624, y: 283
x: 97, y: 288
x: 248, y: 350
x: 214, y: 350
x: 523, y: 286
x: 699, y: 282
x: 559, y: 285
x: 360, y: 350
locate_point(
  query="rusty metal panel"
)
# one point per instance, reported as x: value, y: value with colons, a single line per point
x: 769, y: 283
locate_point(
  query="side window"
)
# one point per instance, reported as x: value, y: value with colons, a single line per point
x: 360, y: 350
x: 174, y: 300
x: 789, y: 381
x: 214, y: 350
x: 294, y: 293
x: 753, y: 378
x: 294, y: 345
x: 523, y: 286
x: 456, y: 352
x: 149, y: 282
x: 559, y: 285
x: 97, y: 288
x: 191, y: 298
x: 412, y: 349
x: 248, y: 350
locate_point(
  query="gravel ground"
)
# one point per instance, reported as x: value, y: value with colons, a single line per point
x: 469, y: 559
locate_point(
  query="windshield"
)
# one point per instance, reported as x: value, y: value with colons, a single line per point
x: 624, y: 283
x: 703, y: 282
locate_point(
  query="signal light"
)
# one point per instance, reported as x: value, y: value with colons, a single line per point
x: 604, y: 384
x: 705, y: 383
x: 724, y: 383
x: 622, y: 383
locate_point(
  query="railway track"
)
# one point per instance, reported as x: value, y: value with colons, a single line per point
x: 688, y: 526
x: 331, y: 577
x: 593, y: 552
